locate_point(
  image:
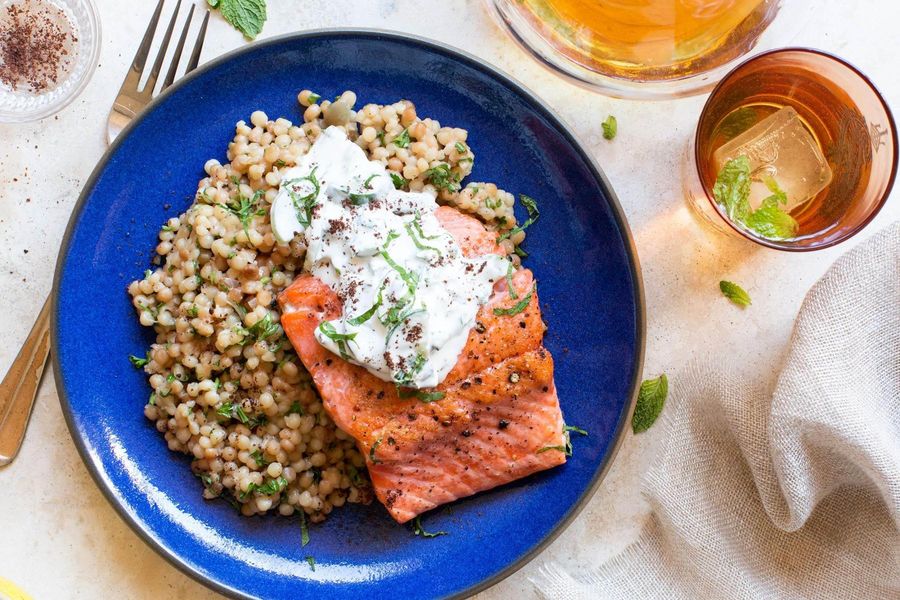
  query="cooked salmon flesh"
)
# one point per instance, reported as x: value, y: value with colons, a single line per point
x: 499, y: 418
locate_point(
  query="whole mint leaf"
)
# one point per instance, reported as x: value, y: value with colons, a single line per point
x: 651, y: 398
x: 732, y: 192
x: 735, y: 293
x: 247, y: 16
x: 771, y: 222
x: 732, y: 188
x: 737, y: 122
x: 610, y: 127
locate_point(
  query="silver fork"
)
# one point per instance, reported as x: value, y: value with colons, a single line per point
x: 132, y: 99
x: 20, y: 385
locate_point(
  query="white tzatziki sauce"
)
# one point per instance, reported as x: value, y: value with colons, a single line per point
x: 410, y: 297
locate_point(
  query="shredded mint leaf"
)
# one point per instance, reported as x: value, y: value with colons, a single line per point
x: 372, y: 450
x: 355, y: 478
x: 610, y: 127
x: 240, y: 309
x: 577, y: 430
x: 245, y: 209
x: 362, y: 318
x: 425, y: 397
x: 735, y: 293
x: 519, y: 307
x: 304, y: 530
x: 410, y: 279
x: 405, y: 378
x: 368, y: 182
x: 360, y: 199
x: 206, y: 478
x: 417, y: 223
x: 340, y: 339
x: 312, y: 562
x: 399, y: 181
x: 328, y: 329
x: 414, y: 227
x: 231, y: 410
x: 402, y: 139
x: 226, y: 410
x: 566, y: 447
x: 247, y: 16
x: 273, y: 486
x: 418, y: 530
x: 562, y: 449
x: 303, y: 205
x: 396, y: 319
x: 265, y: 328
x: 138, y: 362
x: 651, y: 398
x: 405, y: 393
x: 533, y: 215
x: 509, y: 282
x: 443, y: 178
x: 259, y: 459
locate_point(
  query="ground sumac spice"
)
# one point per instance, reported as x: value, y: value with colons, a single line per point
x: 36, y: 45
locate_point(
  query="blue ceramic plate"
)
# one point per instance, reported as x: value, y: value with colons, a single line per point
x: 581, y: 252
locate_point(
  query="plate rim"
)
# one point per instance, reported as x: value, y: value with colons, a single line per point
x: 473, y: 61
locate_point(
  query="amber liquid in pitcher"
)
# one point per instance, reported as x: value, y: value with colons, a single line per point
x: 650, y: 40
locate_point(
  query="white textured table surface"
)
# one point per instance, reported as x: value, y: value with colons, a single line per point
x: 60, y: 538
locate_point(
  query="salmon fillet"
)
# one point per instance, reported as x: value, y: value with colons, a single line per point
x: 499, y: 410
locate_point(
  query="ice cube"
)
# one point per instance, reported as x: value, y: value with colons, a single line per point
x: 781, y: 147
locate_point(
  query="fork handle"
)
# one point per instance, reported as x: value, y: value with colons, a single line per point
x: 19, y: 388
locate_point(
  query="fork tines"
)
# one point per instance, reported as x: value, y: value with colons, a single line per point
x: 133, y: 97
x: 140, y: 59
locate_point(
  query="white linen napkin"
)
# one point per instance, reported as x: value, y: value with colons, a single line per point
x: 787, y: 494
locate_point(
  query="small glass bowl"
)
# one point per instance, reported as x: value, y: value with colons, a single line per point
x: 21, y: 106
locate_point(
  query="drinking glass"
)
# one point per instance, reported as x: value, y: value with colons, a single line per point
x: 852, y: 147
